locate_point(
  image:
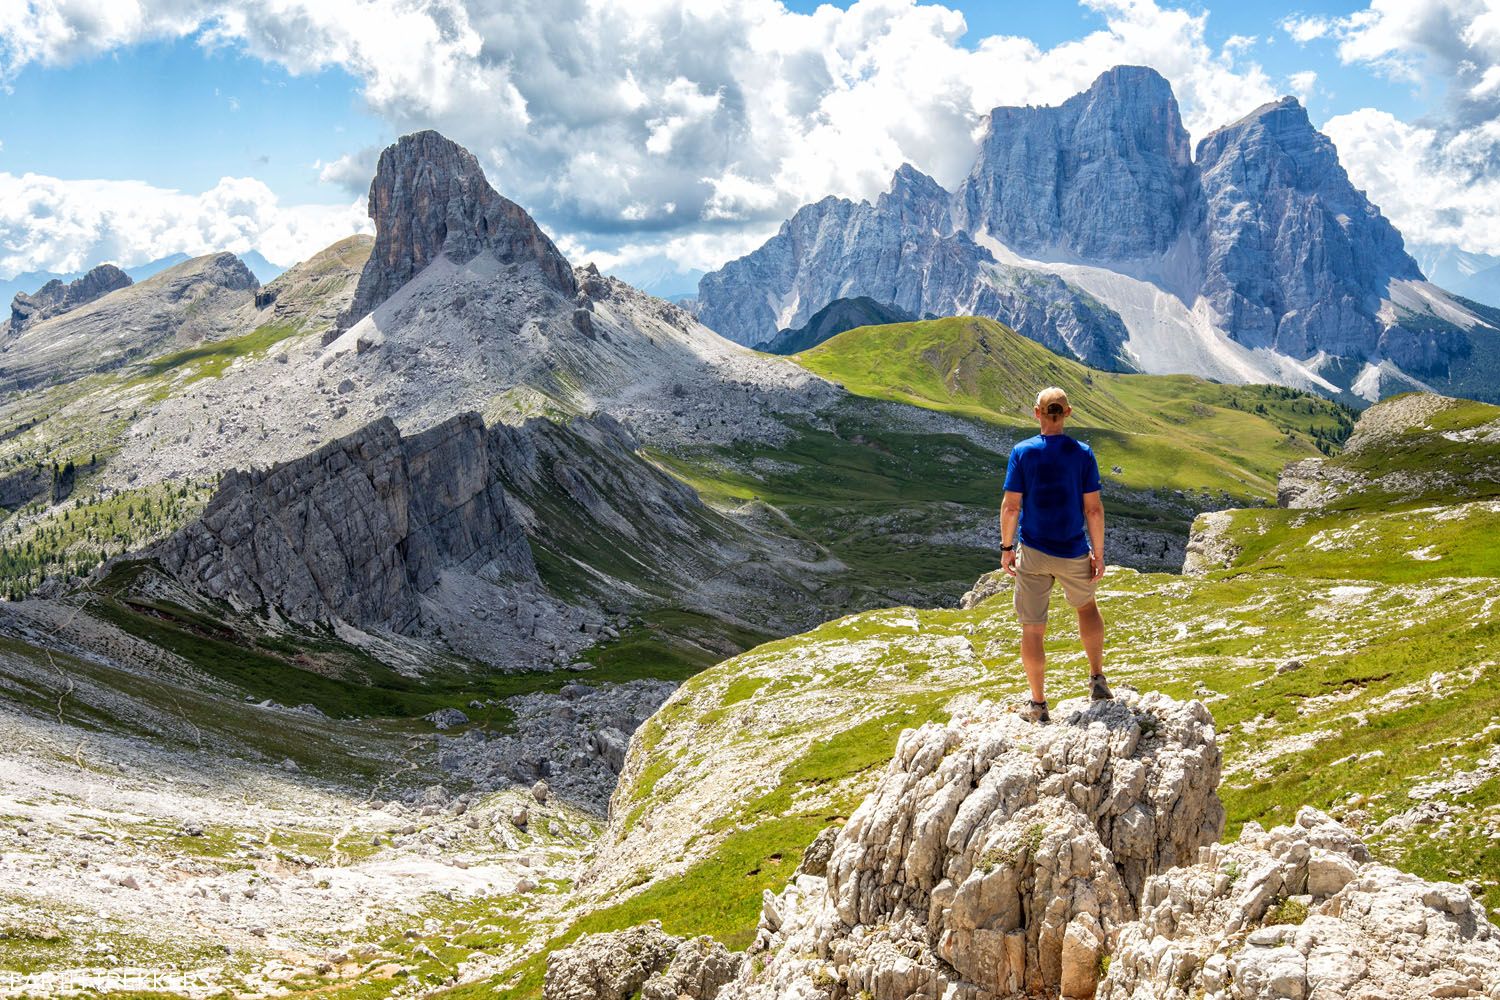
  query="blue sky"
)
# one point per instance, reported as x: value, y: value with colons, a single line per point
x: 669, y: 139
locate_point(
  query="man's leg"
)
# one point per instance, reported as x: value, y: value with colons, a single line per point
x: 1034, y: 659
x: 1091, y: 631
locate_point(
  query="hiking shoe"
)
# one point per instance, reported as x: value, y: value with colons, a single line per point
x: 1033, y: 711
x: 1099, y: 689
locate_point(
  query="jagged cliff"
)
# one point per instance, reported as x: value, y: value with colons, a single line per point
x: 1106, y: 174
x: 55, y: 298
x: 358, y: 530
x: 901, y: 251
x: 1295, y: 257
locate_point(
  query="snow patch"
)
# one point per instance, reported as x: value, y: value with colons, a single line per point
x: 1167, y: 334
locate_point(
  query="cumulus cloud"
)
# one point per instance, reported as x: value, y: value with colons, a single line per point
x: 68, y: 225
x: 1438, y: 178
x: 671, y: 123
x: 1438, y: 191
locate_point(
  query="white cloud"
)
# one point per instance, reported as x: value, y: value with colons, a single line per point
x: 1437, y: 179
x: 1435, y: 190
x: 731, y: 113
x: 1303, y: 84
x: 68, y: 225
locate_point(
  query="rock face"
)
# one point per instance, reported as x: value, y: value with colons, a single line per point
x: 902, y: 253
x: 1296, y: 258
x: 1302, y: 913
x: 997, y: 859
x: 429, y: 198
x: 55, y: 298
x: 357, y: 530
x: 833, y: 319
x: 1104, y: 175
x: 640, y: 962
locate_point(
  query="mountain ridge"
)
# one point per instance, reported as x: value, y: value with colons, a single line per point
x: 1254, y: 261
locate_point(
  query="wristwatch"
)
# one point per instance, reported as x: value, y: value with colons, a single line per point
x: 1007, y: 548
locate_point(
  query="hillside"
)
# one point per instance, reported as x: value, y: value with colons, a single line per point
x: 1371, y: 701
x: 832, y: 320
x: 1415, y: 494
x: 1162, y: 432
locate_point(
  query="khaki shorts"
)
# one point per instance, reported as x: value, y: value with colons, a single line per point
x: 1035, y: 572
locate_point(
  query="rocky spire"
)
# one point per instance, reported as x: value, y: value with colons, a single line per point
x: 55, y: 297
x: 430, y: 197
x: 1297, y: 258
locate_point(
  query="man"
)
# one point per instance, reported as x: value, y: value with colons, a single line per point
x: 1052, y: 528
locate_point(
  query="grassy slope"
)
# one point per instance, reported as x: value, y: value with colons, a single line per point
x: 1163, y: 431
x: 1398, y: 522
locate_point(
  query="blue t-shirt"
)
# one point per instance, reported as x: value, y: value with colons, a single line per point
x: 1052, y: 472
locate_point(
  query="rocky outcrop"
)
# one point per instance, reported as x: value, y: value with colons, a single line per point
x: 1302, y: 913
x: 643, y: 962
x: 55, y: 298
x: 1104, y: 175
x: 997, y: 858
x: 1296, y: 258
x: 835, y: 318
x: 902, y: 253
x: 357, y: 530
x: 430, y: 198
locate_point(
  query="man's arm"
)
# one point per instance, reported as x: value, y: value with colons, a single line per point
x: 1093, y: 517
x: 1010, y: 517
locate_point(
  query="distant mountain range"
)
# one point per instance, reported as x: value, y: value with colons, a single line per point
x: 1092, y: 228
x: 29, y: 281
x: 1473, y: 275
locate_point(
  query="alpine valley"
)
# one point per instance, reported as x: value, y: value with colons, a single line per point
x: 442, y: 617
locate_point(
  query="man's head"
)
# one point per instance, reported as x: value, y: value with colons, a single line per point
x: 1052, y: 409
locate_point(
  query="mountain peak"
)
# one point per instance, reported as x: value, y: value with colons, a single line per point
x: 1131, y: 81
x: 429, y: 198
x: 56, y: 297
x: 1100, y: 175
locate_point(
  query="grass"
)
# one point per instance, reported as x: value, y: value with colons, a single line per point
x: 342, y: 681
x: 1173, y: 432
x: 212, y: 358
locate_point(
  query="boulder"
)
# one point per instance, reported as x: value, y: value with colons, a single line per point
x: 610, y: 966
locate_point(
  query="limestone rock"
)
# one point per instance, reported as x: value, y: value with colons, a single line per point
x: 994, y: 582
x: 998, y: 858
x: 430, y: 198
x: 643, y: 962
x: 1353, y: 927
x: 610, y: 966
x: 358, y: 529
x: 900, y: 252
x: 1105, y: 174
x: 55, y: 298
